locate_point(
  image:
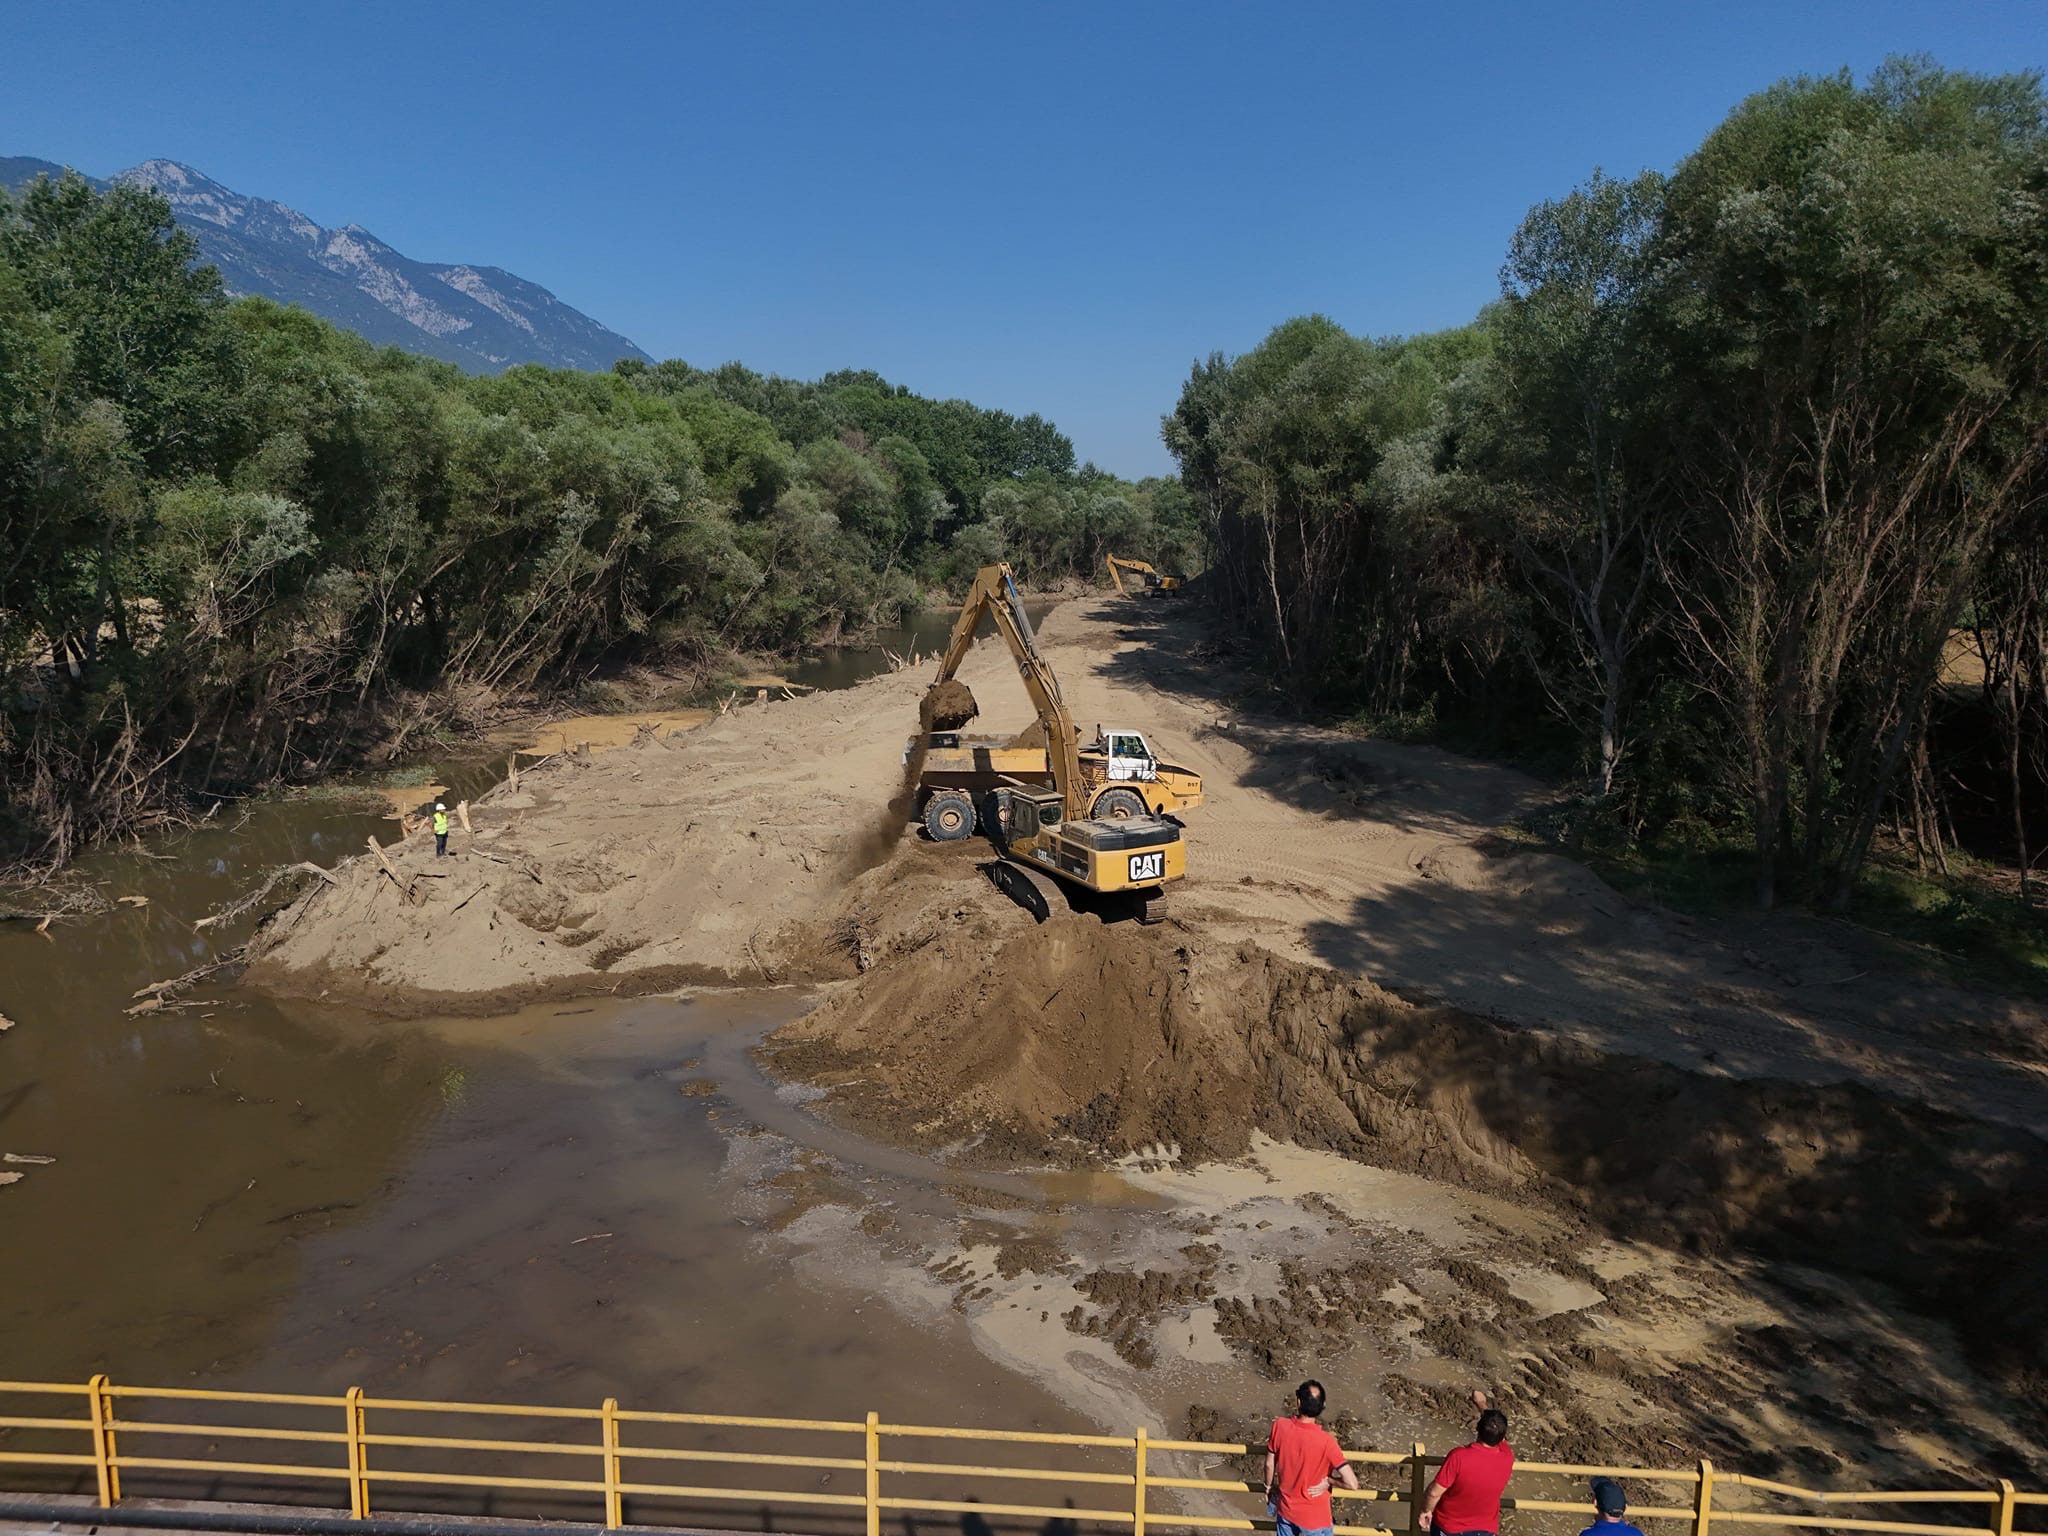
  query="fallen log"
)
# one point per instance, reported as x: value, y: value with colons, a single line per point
x: 390, y: 873
x: 241, y: 904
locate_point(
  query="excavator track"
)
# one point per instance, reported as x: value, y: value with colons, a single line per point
x: 1040, y: 895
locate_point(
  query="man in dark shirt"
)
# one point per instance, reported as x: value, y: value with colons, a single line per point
x: 1612, y: 1504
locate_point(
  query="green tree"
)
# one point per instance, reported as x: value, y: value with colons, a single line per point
x: 1853, y: 302
x: 1554, y: 433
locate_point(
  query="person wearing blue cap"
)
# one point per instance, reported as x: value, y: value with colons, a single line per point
x: 1612, y: 1504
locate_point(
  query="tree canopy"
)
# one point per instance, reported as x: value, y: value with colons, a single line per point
x: 1703, y: 502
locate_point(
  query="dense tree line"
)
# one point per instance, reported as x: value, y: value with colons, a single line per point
x: 239, y: 545
x: 1712, y: 499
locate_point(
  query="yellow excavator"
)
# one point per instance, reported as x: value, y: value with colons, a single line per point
x: 1144, y: 579
x: 1045, y: 838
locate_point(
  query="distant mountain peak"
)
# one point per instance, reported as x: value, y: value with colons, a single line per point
x: 482, y: 317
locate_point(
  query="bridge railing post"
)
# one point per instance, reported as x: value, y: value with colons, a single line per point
x: 358, y: 1455
x: 1140, y: 1473
x: 614, y: 1500
x: 874, y: 1469
x: 2001, y: 1519
x: 105, y: 1460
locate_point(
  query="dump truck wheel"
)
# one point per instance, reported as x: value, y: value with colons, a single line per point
x: 949, y: 816
x: 1120, y: 805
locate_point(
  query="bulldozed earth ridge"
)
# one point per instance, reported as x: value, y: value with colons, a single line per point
x: 1352, y: 964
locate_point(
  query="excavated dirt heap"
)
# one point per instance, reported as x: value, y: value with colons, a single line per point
x: 1000, y: 1040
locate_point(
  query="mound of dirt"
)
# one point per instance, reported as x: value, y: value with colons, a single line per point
x: 996, y: 1040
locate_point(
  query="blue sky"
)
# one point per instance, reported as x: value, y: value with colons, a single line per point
x: 1041, y: 207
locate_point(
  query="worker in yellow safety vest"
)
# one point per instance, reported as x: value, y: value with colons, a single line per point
x: 440, y: 830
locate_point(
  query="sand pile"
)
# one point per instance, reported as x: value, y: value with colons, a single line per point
x: 998, y: 1041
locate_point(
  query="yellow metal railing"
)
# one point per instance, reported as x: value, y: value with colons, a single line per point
x: 1120, y: 1479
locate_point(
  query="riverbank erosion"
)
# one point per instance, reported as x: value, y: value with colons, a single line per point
x: 1355, y: 965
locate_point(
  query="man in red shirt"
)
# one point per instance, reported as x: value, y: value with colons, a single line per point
x: 1464, y: 1496
x: 1301, y: 1459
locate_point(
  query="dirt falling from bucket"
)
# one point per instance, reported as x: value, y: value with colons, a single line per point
x: 945, y: 706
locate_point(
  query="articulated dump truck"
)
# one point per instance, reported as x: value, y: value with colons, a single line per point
x: 1097, y: 818
x: 1120, y: 778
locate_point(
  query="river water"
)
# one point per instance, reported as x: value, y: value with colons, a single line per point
x: 544, y: 1207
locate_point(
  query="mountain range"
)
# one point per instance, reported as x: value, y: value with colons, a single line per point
x: 483, y: 318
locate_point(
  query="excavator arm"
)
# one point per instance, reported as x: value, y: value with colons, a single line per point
x: 995, y: 593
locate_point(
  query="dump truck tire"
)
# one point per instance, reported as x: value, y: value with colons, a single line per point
x: 949, y: 816
x: 1120, y: 805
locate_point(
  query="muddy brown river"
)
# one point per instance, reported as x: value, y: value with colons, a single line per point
x: 286, y: 1197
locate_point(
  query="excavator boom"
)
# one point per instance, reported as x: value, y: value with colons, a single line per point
x: 995, y: 593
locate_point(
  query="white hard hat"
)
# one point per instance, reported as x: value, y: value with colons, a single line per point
x: 439, y: 806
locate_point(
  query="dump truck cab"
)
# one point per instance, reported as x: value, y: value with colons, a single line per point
x: 1125, y: 756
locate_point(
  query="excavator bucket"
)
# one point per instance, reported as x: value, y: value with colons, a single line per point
x: 949, y: 705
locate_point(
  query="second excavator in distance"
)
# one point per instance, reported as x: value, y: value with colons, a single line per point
x: 1046, y: 834
x: 1145, y: 579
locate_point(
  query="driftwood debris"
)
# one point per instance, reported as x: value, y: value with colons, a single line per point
x: 159, y: 995
x: 462, y: 815
x: 241, y: 904
x: 80, y: 901
x: 26, y: 1157
x: 5, y: 1023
